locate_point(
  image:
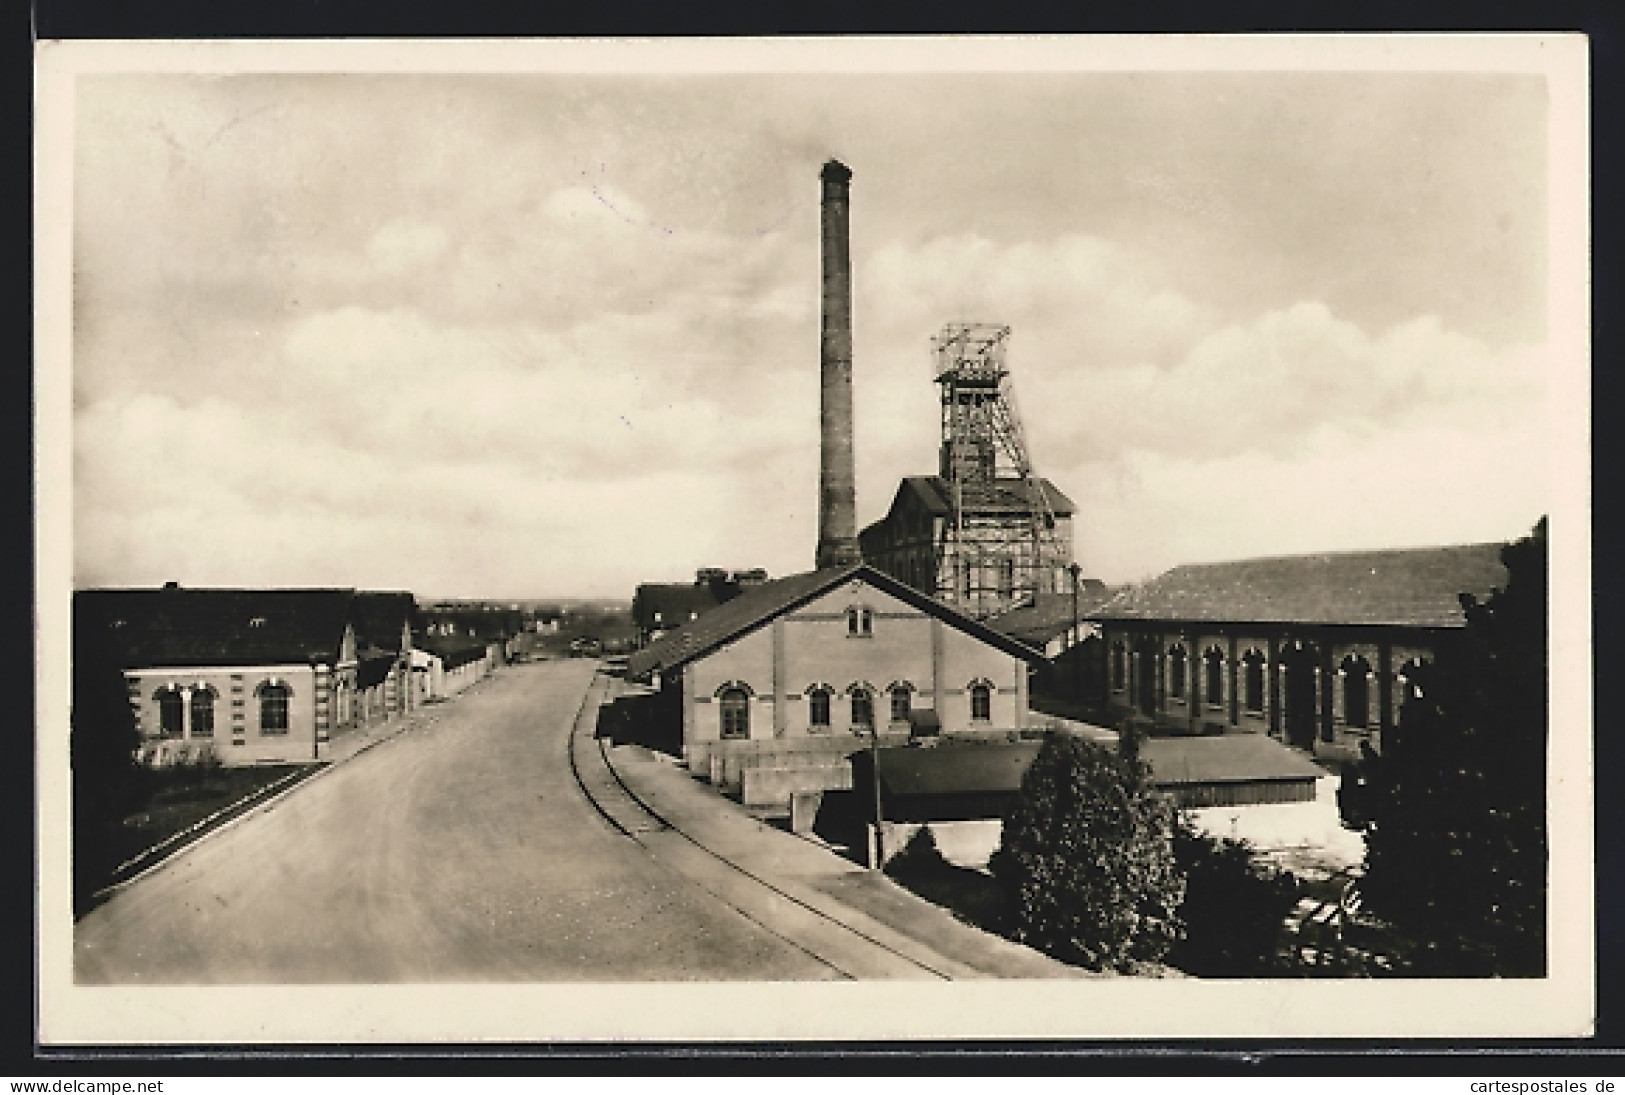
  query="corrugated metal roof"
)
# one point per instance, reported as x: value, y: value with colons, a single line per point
x: 1415, y: 587
x: 757, y: 605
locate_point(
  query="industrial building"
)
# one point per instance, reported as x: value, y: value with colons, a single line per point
x: 985, y: 534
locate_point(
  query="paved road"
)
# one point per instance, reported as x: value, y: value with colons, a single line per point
x: 459, y: 851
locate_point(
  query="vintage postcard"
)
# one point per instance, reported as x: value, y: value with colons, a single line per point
x: 1016, y: 538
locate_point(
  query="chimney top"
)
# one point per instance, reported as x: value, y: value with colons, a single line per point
x: 835, y: 171
x: 172, y: 585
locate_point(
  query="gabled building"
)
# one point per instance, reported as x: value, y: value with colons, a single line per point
x: 1315, y: 650
x: 974, y: 553
x: 250, y: 675
x: 814, y: 663
x: 385, y: 684
x: 658, y: 607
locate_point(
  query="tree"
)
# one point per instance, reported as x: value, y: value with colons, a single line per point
x: 1456, y: 846
x: 1086, y: 859
x: 1234, y: 907
x: 108, y: 782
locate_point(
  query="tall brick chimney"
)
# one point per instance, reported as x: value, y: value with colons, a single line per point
x: 837, y: 490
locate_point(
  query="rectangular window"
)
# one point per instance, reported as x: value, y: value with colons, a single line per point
x: 863, y: 710
x: 203, y: 713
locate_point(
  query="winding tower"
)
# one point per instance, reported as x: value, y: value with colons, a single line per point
x: 1000, y: 545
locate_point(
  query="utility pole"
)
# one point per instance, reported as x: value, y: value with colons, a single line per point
x: 1072, y: 640
x: 874, y: 769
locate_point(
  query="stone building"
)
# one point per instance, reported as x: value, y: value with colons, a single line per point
x: 1314, y: 650
x: 811, y: 665
x: 247, y: 675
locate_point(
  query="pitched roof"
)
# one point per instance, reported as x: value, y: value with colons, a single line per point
x: 381, y: 616
x: 1224, y: 758
x: 1414, y: 587
x: 673, y: 602
x: 454, y: 650
x: 956, y: 768
x: 193, y: 627
x: 1050, y: 614
x: 757, y: 605
x: 934, y: 494
x: 995, y: 767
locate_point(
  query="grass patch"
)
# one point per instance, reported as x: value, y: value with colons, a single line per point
x: 181, y: 800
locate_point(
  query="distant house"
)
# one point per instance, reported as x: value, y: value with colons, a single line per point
x: 1047, y: 624
x: 1315, y: 650
x: 250, y: 675
x: 812, y: 664
x: 658, y: 607
x: 447, y: 664
x: 384, y: 684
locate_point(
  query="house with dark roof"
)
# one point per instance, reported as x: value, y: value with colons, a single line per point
x: 1314, y: 650
x: 917, y: 543
x: 657, y: 607
x: 803, y: 670
x: 385, y: 684
x: 248, y: 675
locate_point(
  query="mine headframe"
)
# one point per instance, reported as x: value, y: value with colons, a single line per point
x: 1000, y: 544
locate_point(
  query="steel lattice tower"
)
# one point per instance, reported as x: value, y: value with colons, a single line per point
x: 1000, y: 545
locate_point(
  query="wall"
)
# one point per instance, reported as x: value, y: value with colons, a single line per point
x: 780, y: 662
x: 1386, y: 650
x: 237, y: 737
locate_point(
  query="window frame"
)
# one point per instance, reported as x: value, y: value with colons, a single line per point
x: 981, y: 696
x: 275, y: 696
x: 1253, y: 684
x: 1355, y: 665
x: 819, y: 703
x: 904, y: 693
x: 169, y: 699
x: 1178, y: 659
x: 202, y: 704
x: 866, y: 698
x: 860, y: 622
x: 733, y: 713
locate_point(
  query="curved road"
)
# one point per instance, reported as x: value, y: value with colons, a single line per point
x: 459, y: 850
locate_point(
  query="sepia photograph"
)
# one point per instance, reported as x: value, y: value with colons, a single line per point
x: 1057, y: 537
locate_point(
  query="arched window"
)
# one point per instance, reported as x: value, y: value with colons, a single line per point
x: 1119, y: 667
x: 1356, y: 673
x: 901, y: 701
x: 859, y: 622
x: 203, y: 712
x: 735, y: 713
x: 981, y: 702
x: 1176, y: 671
x: 818, y: 708
x: 169, y: 712
x: 1252, y: 681
x: 863, y: 708
x: 1213, y: 676
x: 273, y: 707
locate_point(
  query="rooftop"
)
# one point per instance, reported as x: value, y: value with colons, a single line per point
x: 1414, y: 587
x: 198, y: 627
x: 756, y: 605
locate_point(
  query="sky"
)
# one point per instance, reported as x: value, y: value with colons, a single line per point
x: 557, y: 334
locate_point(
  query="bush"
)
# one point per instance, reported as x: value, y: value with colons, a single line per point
x: 919, y: 856
x: 1234, y: 907
x: 1086, y: 859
